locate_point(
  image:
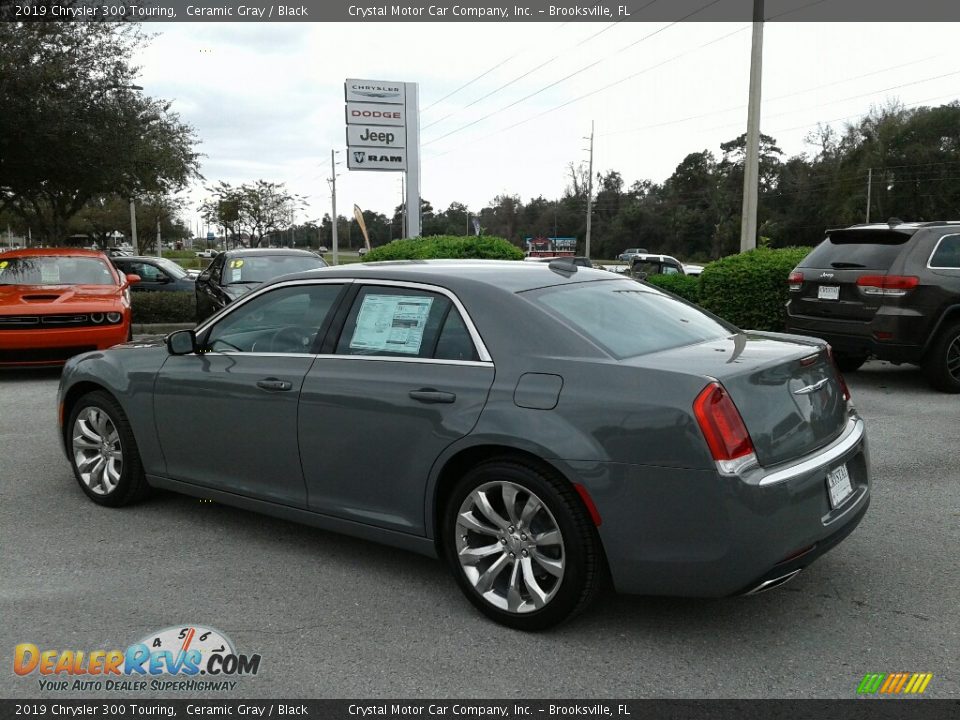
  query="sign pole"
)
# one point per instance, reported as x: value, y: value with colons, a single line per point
x: 413, y: 158
x: 333, y: 195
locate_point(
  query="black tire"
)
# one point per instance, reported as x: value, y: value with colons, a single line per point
x: 941, y: 364
x: 579, y: 555
x: 849, y: 363
x: 112, y: 488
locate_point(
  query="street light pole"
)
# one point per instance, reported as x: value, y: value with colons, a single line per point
x: 133, y: 228
x: 751, y: 170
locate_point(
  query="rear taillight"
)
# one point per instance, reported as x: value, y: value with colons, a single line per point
x: 887, y: 285
x: 723, y: 429
x: 843, y: 383
x: 795, y: 281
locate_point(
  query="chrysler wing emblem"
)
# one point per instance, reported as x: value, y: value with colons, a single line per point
x: 379, y: 95
x: 811, y: 388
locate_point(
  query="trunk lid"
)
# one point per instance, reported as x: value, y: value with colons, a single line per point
x: 786, y: 389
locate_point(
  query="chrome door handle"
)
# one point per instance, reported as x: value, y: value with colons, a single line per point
x: 273, y: 384
x: 429, y: 395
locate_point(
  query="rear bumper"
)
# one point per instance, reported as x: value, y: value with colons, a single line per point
x: 856, y: 337
x: 24, y: 348
x: 668, y: 531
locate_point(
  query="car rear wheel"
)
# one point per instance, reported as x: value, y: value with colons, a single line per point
x: 849, y: 363
x: 103, y: 451
x: 521, y: 545
x: 942, y: 363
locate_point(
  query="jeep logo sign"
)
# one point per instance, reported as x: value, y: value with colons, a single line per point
x: 375, y: 136
x: 376, y: 159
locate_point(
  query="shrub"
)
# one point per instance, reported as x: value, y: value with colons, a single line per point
x: 686, y: 286
x: 446, y: 246
x: 750, y: 289
x: 164, y: 307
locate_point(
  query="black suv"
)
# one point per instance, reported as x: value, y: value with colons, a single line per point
x: 891, y: 291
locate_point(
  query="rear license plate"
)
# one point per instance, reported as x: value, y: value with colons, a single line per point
x: 828, y: 292
x: 838, y: 485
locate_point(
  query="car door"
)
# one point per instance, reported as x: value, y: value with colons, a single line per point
x: 205, y: 292
x: 407, y: 376
x: 227, y: 416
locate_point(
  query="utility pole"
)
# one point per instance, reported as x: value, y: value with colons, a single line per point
x: 159, y: 242
x: 589, y: 192
x: 751, y: 170
x: 333, y: 195
x: 133, y: 228
x: 869, y: 188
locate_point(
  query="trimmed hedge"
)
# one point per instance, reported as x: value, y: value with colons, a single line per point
x: 164, y: 307
x: 446, y: 246
x: 750, y: 289
x: 686, y: 286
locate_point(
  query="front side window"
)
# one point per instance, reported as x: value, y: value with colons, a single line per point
x: 285, y: 320
x: 947, y: 253
x: 405, y: 322
x: 40, y: 270
x: 147, y: 273
x: 627, y: 319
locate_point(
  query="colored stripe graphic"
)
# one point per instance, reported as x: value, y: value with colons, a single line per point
x: 894, y: 683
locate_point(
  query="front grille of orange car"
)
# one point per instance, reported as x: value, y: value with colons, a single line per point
x: 48, y: 322
x: 41, y: 355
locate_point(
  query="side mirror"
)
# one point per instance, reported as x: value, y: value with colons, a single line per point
x: 182, y: 342
x: 133, y: 279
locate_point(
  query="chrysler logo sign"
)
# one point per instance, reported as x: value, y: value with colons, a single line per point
x: 373, y: 91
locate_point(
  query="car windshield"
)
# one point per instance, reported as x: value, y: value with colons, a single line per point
x: 627, y: 319
x: 45, y: 270
x: 260, y: 268
x: 171, y: 267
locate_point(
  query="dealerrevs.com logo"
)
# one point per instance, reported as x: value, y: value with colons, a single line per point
x: 185, y: 657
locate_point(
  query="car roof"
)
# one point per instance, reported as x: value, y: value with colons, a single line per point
x: 654, y: 256
x: 509, y: 275
x: 137, y: 258
x: 250, y: 252
x: 55, y: 252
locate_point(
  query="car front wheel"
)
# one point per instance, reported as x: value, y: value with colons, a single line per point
x: 103, y: 451
x: 521, y: 545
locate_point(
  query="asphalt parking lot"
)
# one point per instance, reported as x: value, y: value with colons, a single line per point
x: 336, y: 617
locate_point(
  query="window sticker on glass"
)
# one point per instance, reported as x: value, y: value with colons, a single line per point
x: 3, y: 264
x: 49, y: 274
x: 236, y: 263
x: 391, y: 323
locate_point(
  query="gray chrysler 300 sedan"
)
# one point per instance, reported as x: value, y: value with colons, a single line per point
x: 538, y: 427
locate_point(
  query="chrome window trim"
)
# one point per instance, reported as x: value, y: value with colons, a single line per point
x: 478, y: 344
x: 326, y: 356
x: 934, y: 252
x: 852, y: 436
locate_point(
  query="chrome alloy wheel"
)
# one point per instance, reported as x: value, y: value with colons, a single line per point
x: 96, y: 450
x: 510, y: 547
x: 953, y: 358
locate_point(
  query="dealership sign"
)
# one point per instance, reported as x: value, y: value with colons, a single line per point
x: 383, y: 133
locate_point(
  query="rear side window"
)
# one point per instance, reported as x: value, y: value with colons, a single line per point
x: 626, y: 318
x: 947, y: 253
x: 857, y: 249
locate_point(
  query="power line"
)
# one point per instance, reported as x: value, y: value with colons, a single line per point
x: 573, y: 74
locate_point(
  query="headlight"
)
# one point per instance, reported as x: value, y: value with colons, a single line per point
x: 114, y: 317
x: 96, y: 318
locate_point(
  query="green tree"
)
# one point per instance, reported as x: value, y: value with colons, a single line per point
x: 74, y: 126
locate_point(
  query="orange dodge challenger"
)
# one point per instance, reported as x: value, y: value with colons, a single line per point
x: 56, y: 303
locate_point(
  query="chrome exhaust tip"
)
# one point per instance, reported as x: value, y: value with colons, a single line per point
x: 775, y: 582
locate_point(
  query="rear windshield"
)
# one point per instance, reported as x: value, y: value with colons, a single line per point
x: 46, y: 270
x: 626, y: 318
x: 260, y: 268
x: 860, y: 249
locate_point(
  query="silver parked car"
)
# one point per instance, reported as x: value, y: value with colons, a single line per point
x: 537, y: 426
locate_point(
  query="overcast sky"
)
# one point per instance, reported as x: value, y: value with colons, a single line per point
x: 267, y: 99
